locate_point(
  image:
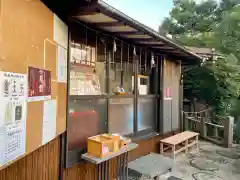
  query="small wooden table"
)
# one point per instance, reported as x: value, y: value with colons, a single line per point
x: 103, y: 165
x: 179, y: 142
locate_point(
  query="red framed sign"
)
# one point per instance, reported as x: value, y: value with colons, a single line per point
x: 39, y: 84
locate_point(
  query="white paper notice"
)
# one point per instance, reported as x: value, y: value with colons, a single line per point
x: 13, y: 98
x: 60, y: 31
x: 62, y: 64
x: 49, y: 121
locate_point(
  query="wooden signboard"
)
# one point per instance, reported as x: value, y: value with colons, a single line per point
x: 33, y: 45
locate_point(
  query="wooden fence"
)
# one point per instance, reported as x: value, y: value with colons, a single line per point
x: 203, y: 123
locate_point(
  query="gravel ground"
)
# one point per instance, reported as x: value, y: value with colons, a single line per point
x: 211, y: 162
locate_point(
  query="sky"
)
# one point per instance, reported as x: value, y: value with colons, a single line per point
x: 148, y: 12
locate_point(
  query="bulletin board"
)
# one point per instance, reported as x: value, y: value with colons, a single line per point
x: 33, y: 39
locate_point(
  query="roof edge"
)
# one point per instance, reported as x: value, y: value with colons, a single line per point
x: 145, y: 28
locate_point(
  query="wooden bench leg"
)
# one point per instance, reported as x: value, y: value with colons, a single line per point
x: 186, y: 146
x: 173, y: 152
x: 161, y: 148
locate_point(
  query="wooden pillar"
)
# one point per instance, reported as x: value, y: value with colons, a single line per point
x: 228, y: 132
x: 161, y: 94
x: 185, y: 119
x: 182, y: 121
x: 136, y: 91
x: 181, y: 98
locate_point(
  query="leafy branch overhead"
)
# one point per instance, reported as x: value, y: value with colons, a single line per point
x: 215, y: 25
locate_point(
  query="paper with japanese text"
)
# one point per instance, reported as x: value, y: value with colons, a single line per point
x: 13, y: 99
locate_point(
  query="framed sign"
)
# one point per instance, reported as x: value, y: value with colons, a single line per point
x: 39, y: 84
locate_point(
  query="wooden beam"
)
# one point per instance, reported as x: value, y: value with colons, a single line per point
x: 136, y: 40
x: 108, y: 24
x: 150, y: 45
x: 163, y: 47
x: 129, y: 33
x: 168, y: 50
x: 84, y: 11
x: 174, y: 53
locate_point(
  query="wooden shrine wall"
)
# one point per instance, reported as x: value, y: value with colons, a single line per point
x: 42, y: 164
x: 171, y: 100
x: 30, y: 35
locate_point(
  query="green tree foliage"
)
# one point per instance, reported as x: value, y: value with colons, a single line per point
x: 215, y: 83
x: 215, y: 25
x: 229, y: 31
x: 189, y: 19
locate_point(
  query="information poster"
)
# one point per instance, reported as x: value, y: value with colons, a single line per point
x: 13, y: 97
x: 62, y: 65
x: 49, y: 121
x: 84, y: 84
x: 39, y: 84
x: 78, y: 54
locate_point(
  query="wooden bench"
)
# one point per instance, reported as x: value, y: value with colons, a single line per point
x: 178, y: 143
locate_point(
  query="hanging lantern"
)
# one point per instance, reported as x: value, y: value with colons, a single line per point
x: 114, y: 46
x: 134, y: 51
x: 152, y: 60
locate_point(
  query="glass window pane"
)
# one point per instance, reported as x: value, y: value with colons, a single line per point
x: 147, y: 113
x: 121, y: 115
x: 86, y: 118
x: 121, y: 71
x: 87, y: 64
x: 148, y: 75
